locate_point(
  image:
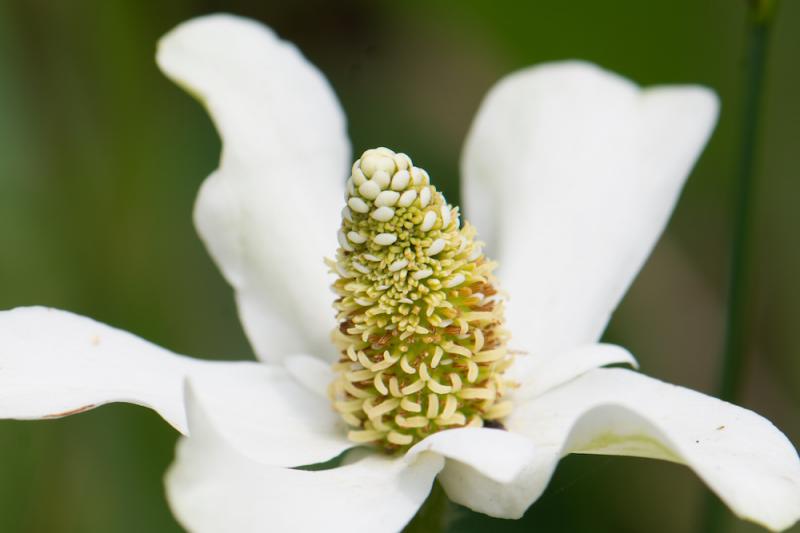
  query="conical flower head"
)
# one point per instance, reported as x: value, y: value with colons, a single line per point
x: 420, y: 318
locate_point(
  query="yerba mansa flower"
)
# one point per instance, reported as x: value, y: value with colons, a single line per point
x: 570, y: 174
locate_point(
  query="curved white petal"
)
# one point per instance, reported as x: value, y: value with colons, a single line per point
x: 212, y: 488
x: 311, y: 372
x: 571, y: 173
x: 500, y: 455
x: 740, y: 455
x: 54, y: 363
x: 538, y: 373
x: 269, y: 213
x: 265, y: 414
x: 508, y: 498
x: 481, y: 464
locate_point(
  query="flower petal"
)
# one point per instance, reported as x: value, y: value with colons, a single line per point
x: 499, y: 455
x: 509, y: 498
x: 481, y: 464
x: 212, y: 488
x: 269, y: 213
x: 311, y: 372
x: 265, y: 414
x: 741, y: 456
x: 571, y: 173
x: 54, y: 363
x: 538, y: 373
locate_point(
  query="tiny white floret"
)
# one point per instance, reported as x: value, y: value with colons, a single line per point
x: 426, y: 179
x: 387, y: 198
x: 358, y: 205
x: 445, y: 215
x: 381, y: 177
x: 400, y: 180
x: 361, y: 268
x: 425, y: 197
x: 402, y: 161
x: 384, y: 239
x: 428, y: 221
x: 422, y: 274
x: 388, y: 152
x: 369, y: 189
x: 455, y: 281
x: 476, y: 253
x: 343, y: 241
x: 383, y: 214
x: 398, y: 265
x: 369, y: 163
x: 436, y: 247
x: 356, y: 237
x: 358, y: 177
x: 407, y: 198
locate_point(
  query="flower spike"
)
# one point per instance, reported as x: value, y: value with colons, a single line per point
x: 421, y: 335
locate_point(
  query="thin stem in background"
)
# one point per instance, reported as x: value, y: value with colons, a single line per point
x: 739, y: 282
x: 739, y: 287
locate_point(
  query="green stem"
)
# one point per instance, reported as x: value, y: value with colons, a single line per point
x: 739, y: 282
x: 737, y: 331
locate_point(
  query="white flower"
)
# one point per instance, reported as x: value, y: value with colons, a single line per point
x: 570, y: 175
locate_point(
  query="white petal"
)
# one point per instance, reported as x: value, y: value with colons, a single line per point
x: 571, y: 173
x: 500, y: 455
x: 265, y: 414
x: 269, y: 214
x: 502, y: 499
x: 481, y: 466
x: 538, y: 373
x: 212, y: 488
x: 741, y: 456
x: 311, y: 372
x: 54, y: 363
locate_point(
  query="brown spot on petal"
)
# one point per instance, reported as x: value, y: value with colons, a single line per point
x: 71, y: 411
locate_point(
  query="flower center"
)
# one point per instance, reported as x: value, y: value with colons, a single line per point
x: 420, y: 320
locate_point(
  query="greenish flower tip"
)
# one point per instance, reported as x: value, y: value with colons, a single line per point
x: 421, y: 335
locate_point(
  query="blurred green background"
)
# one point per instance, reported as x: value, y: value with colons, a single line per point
x: 100, y: 159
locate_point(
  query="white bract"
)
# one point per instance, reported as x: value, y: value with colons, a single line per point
x: 570, y: 174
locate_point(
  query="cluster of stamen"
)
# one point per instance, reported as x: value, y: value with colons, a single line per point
x: 420, y: 322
